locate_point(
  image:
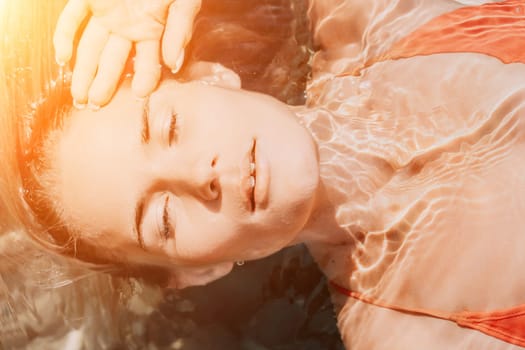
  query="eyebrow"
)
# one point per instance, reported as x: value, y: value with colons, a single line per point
x: 145, y: 122
x: 139, y: 213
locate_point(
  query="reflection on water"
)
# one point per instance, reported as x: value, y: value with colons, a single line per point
x: 278, y: 303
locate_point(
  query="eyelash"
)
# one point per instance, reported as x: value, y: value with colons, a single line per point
x: 145, y: 121
x: 172, y: 127
x: 166, y: 225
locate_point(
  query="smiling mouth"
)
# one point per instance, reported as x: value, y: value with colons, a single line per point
x: 253, y: 175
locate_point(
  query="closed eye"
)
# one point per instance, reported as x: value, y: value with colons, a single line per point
x: 166, y: 224
x: 173, y: 126
x: 145, y: 133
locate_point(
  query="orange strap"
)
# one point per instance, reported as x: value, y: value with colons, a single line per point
x: 494, y: 29
x: 507, y: 325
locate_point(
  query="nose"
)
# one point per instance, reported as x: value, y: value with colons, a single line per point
x: 205, y: 182
x: 198, y: 177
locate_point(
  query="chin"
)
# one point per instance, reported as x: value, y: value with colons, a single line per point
x: 303, y: 184
x: 299, y: 199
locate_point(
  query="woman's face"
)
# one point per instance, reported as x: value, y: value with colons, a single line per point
x: 170, y: 179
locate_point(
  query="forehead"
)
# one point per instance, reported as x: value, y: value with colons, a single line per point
x: 95, y: 162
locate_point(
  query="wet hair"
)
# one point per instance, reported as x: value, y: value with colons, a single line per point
x: 266, y: 42
x: 263, y: 41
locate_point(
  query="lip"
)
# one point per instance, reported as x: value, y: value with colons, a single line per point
x: 245, y: 188
x: 257, y: 197
x: 262, y: 171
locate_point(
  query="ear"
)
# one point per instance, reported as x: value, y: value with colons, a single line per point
x: 185, y: 276
x: 213, y: 74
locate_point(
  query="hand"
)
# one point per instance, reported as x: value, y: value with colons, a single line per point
x: 113, y: 28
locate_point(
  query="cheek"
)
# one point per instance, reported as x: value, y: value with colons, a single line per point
x: 202, y: 234
x: 211, y: 237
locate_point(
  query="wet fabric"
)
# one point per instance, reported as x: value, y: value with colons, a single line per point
x: 497, y: 30
x: 507, y: 325
x: 494, y: 29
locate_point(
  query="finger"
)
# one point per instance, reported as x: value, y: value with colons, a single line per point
x: 110, y: 66
x: 89, y: 50
x: 67, y: 25
x: 178, y: 31
x: 147, y: 68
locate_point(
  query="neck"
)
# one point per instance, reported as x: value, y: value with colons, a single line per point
x: 323, y: 225
x: 350, y: 177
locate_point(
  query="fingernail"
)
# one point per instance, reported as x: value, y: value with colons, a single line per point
x: 78, y: 105
x: 92, y: 106
x: 60, y: 62
x: 179, y: 62
x: 213, y: 80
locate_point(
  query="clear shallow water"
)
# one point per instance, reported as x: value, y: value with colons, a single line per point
x: 277, y: 303
x: 424, y: 156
